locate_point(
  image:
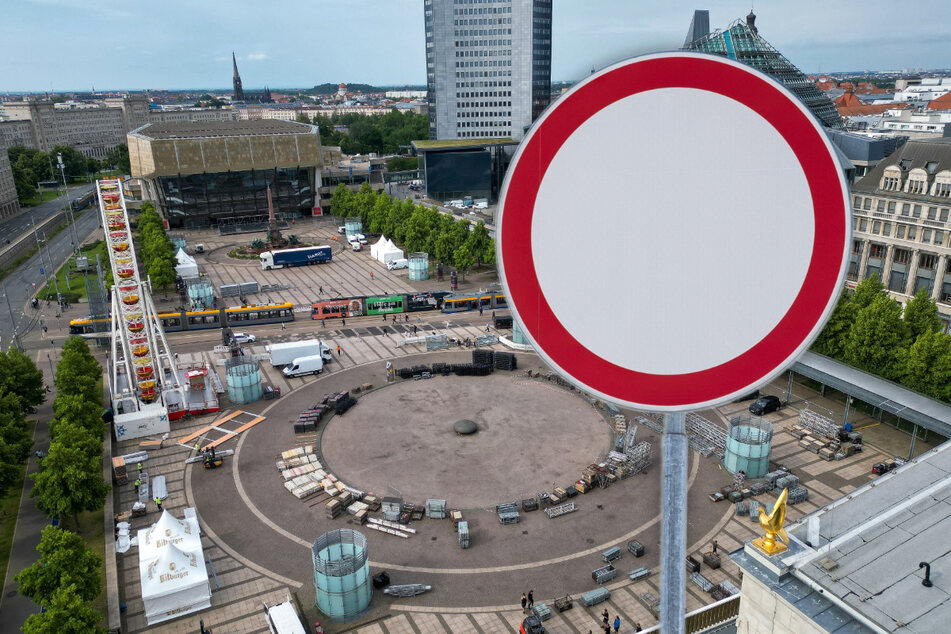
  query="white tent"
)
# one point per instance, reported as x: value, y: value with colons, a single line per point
x: 172, y: 569
x: 385, y: 251
x: 187, y: 267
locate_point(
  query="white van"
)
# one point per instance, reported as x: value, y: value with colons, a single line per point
x: 399, y: 263
x: 355, y: 245
x: 304, y: 365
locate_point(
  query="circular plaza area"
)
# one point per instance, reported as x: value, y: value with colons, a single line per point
x: 401, y: 440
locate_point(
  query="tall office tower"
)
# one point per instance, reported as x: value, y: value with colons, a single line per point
x: 699, y: 26
x: 488, y: 66
x: 741, y: 41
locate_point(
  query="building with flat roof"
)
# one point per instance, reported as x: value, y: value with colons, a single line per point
x: 488, y: 66
x: 206, y: 173
x: 741, y: 41
x: 458, y: 168
x: 901, y: 233
x: 860, y: 563
x: 9, y: 205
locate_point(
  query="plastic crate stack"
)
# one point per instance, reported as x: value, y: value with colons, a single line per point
x: 595, y: 597
x: 341, y: 402
x: 308, y: 420
x: 483, y: 357
x: 463, y: 528
x: 505, y: 361
x: 470, y: 369
x: 798, y: 494
x: 508, y: 513
x: 444, y: 369
x: 435, y: 509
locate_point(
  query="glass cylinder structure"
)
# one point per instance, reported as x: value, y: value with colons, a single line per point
x: 353, y: 225
x: 201, y: 293
x: 748, y: 444
x: 517, y: 336
x: 419, y: 266
x: 244, y: 380
x: 342, y: 574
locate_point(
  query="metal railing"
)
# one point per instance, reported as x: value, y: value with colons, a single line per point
x: 709, y: 616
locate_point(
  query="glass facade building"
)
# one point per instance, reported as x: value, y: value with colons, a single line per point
x: 488, y: 66
x: 741, y: 41
x: 201, y: 200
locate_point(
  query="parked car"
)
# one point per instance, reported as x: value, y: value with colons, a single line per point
x: 765, y: 405
x: 532, y: 625
x: 241, y: 337
x: 342, y: 230
x: 355, y: 245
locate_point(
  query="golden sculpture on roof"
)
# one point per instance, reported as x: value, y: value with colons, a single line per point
x: 773, y: 525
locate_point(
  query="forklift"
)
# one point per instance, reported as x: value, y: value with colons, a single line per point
x: 211, y: 461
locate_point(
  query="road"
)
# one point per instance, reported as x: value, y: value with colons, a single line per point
x: 15, y: 226
x: 17, y: 288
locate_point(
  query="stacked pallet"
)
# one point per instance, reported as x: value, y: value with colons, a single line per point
x: 341, y: 402
x: 372, y: 502
x: 463, y: 528
x: 356, y: 507
x: 471, y: 369
x: 508, y: 513
x: 798, y: 494
x: 596, y: 596
x: 483, y: 357
x: 456, y: 517
x: 436, y: 509
x: 334, y: 509
x: 119, y: 471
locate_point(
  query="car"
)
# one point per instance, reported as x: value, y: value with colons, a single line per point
x: 532, y: 625
x: 241, y: 337
x: 342, y: 230
x: 401, y: 263
x: 765, y: 405
x: 355, y: 245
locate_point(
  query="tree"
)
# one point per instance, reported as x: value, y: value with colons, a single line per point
x: 921, y: 315
x: 876, y: 337
x: 927, y: 365
x: 15, y: 440
x: 463, y: 260
x: 69, y: 381
x: 479, y: 241
x: 118, y: 158
x: 867, y: 290
x: 64, y: 562
x: 75, y: 410
x: 20, y: 376
x: 490, y: 252
x: 73, y: 161
x: 831, y: 341
x: 340, y: 200
x: 162, y: 273
x: 67, y: 614
x: 69, y: 482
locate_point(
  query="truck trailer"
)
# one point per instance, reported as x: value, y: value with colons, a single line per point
x: 285, y: 353
x: 301, y: 256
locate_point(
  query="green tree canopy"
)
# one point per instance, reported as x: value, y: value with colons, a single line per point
x: 118, y: 158
x: 927, y: 365
x: 66, y: 613
x: 19, y: 375
x: 831, y: 341
x: 69, y: 482
x: 867, y: 290
x: 876, y: 337
x: 74, y: 409
x: 340, y: 200
x: 15, y: 440
x: 64, y: 562
x: 921, y: 315
x: 463, y: 259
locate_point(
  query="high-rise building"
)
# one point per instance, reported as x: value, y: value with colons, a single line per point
x: 9, y: 205
x: 488, y: 66
x: 741, y: 41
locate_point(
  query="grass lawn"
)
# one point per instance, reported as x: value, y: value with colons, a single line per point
x: 77, y: 283
x: 41, y: 197
x: 9, y: 508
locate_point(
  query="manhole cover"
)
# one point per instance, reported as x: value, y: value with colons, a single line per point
x: 589, y: 540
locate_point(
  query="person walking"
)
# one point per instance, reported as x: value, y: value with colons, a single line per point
x: 524, y: 602
x: 605, y: 616
x: 139, y: 467
x: 480, y: 311
x: 617, y: 623
x: 283, y: 326
x: 371, y: 276
x: 158, y: 503
x: 138, y: 483
x: 338, y: 351
x: 343, y: 322
x: 637, y: 627
x: 714, y: 547
x: 323, y: 324
x: 320, y: 291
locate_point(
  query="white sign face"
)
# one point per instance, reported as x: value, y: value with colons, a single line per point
x: 674, y: 231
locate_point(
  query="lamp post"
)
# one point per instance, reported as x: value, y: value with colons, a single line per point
x: 69, y: 206
x: 13, y: 322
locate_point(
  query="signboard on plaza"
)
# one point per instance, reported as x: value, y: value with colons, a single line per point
x: 674, y: 231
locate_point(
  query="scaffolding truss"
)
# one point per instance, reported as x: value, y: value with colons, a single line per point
x: 817, y: 423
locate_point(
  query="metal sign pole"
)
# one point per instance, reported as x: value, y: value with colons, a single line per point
x: 674, y: 529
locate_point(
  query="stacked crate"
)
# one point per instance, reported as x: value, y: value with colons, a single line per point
x: 505, y: 361
x: 334, y: 508
x: 119, y: 471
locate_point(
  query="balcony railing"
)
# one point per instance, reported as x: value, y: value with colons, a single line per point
x: 709, y: 616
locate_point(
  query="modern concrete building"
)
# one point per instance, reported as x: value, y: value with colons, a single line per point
x: 488, y: 66
x: 216, y: 172
x: 901, y: 212
x: 872, y: 561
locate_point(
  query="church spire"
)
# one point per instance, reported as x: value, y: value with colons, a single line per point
x: 238, y: 91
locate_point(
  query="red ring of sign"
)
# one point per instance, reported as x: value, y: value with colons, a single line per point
x: 822, y: 277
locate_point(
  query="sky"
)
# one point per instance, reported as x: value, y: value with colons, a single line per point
x: 64, y: 45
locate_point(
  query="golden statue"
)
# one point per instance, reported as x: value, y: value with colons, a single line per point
x: 773, y: 525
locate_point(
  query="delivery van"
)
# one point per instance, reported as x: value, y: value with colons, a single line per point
x: 301, y: 366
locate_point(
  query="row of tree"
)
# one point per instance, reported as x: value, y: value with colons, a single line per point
x: 70, y: 480
x: 362, y: 134
x: 154, y: 247
x: 872, y: 332
x: 449, y: 241
x: 21, y: 388
x: 31, y: 166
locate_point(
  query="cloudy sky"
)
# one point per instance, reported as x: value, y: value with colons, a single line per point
x: 77, y: 44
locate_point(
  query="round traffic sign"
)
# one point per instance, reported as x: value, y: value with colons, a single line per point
x: 674, y: 231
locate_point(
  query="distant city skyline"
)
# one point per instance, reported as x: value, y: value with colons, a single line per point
x: 73, y: 45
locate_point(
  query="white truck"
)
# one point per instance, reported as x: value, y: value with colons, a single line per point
x: 285, y: 353
x: 301, y: 366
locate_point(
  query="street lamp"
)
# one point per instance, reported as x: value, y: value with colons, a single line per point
x: 69, y: 207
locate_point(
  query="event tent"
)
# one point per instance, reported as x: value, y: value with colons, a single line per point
x: 385, y: 251
x: 172, y: 569
x: 187, y: 267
